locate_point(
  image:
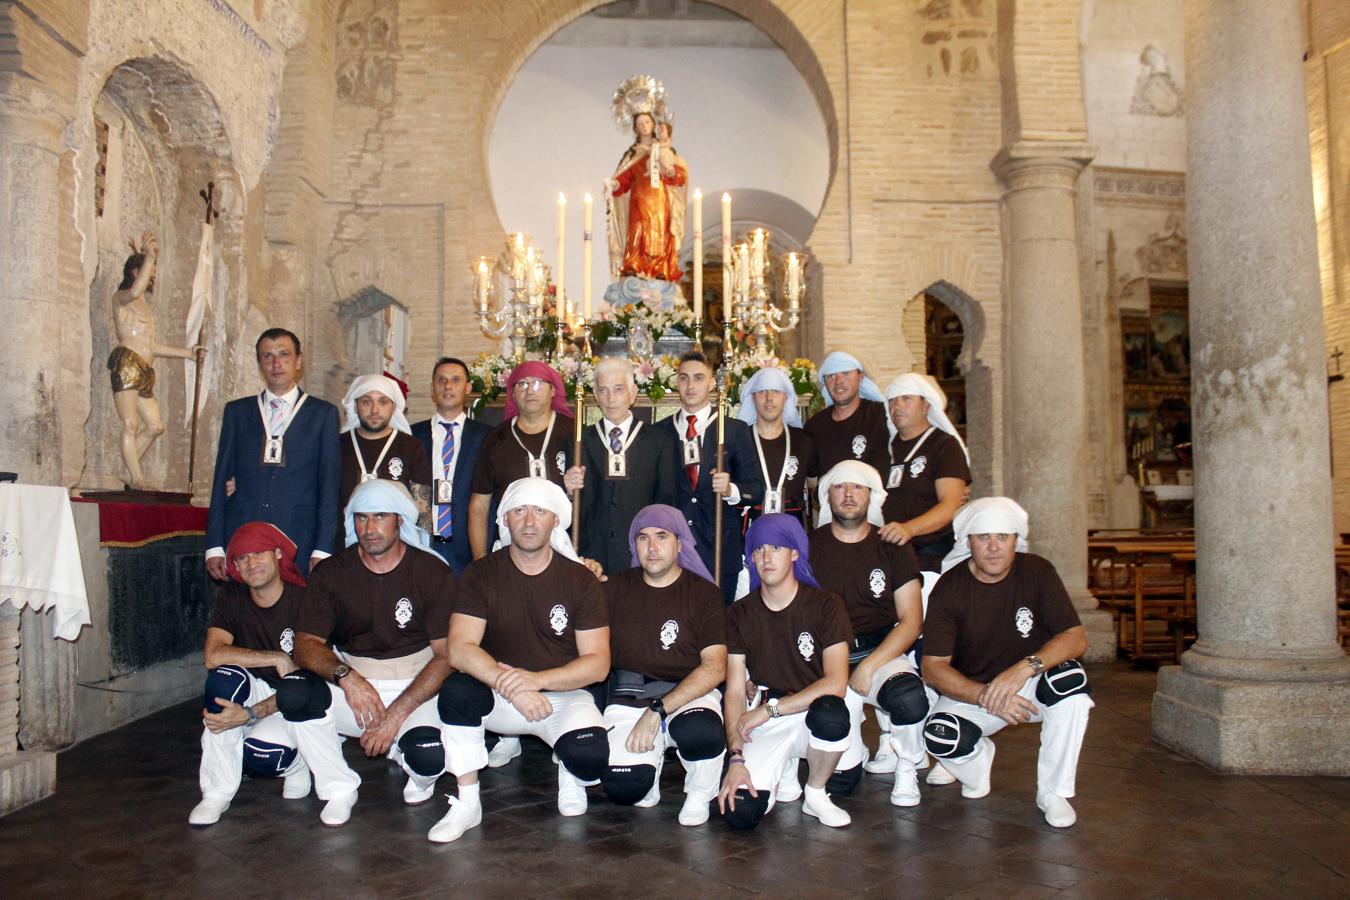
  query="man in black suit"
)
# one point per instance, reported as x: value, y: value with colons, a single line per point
x: 451, y: 440
x: 280, y: 448
x: 625, y: 466
x: 739, y: 485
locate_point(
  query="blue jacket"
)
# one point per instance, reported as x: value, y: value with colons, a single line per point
x: 457, y: 552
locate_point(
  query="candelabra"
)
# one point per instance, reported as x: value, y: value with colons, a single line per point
x: 753, y: 307
x: 521, y: 315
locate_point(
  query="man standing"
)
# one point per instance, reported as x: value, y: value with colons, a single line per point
x: 248, y: 649
x: 1001, y: 645
x: 791, y: 639
x: 668, y: 641
x: 451, y: 441
x: 739, y: 485
x: 882, y: 591
x: 380, y: 442
x: 783, y: 448
x: 371, y: 646
x: 533, y: 441
x: 853, y: 423
x: 281, y: 449
x: 529, y: 634
x: 929, y: 469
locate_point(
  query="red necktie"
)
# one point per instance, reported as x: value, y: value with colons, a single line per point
x: 691, y: 433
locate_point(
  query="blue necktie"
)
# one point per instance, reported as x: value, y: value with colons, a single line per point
x: 443, y: 528
x: 615, y: 445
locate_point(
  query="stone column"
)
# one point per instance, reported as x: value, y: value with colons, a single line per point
x: 1046, y: 412
x: 1266, y: 688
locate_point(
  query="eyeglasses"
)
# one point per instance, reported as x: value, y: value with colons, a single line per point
x: 532, y: 385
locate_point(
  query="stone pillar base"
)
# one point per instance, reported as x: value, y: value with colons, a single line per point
x: 1254, y: 727
x: 1101, y: 635
x: 25, y: 777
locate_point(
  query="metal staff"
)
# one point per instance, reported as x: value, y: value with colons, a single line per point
x: 207, y: 195
x: 721, y: 461
x: 580, y: 392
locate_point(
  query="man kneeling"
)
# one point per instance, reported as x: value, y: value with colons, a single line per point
x: 529, y: 633
x: 1001, y: 645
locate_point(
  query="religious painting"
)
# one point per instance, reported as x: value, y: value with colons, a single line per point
x: 1172, y: 431
x: 1136, y: 355
x: 1138, y: 429
x: 1170, y: 356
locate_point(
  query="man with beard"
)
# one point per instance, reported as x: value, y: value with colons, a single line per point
x: 380, y: 442
x: 784, y: 449
x: 853, y: 423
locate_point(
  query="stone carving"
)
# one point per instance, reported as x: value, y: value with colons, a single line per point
x: 1132, y: 187
x: 366, y: 40
x: 957, y: 38
x: 1165, y: 253
x: 1155, y: 93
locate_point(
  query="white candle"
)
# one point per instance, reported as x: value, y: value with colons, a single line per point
x: 793, y: 279
x: 481, y: 281
x: 743, y: 269
x: 698, y: 255
x: 560, y: 300
x: 586, y: 205
x: 726, y: 253
x: 518, y: 257
x: 757, y: 260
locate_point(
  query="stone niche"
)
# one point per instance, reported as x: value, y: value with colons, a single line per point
x: 160, y: 140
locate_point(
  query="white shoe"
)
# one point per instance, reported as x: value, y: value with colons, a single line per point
x: 789, y: 788
x: 819, y: 805
x: 695, y: 810
x: 571, y: 794
x: 653, y: 796
x: 461, y: 817
x: 985, y: 761
x: 884, y: 762
x: 338, y: 810
x: 208, y: 811
x: 296, y: 785
x: 1057, y: 810
x: 413, y: 795
x: 905, y: 792
x: 938, y: 775
x: 505, y: 750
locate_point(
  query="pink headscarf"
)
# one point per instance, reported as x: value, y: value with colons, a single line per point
x: 543, y: 372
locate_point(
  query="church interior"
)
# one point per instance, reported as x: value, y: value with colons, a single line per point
x: 1115, y: 233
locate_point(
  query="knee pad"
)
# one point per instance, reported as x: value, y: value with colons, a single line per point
x: 227, y: 682
x: 422, y: 750
x: 749, y: 810
x: 464, y: 700
x: 1064, y: 680
x: 626, y: 785
x: 585, y: 752
x: 698, y: 734
x: 904, y: 698
x: 950, y: 737
x: 843, y: 781
x: 263, y: 759
x: 303, y: 696
x: 827, y: 718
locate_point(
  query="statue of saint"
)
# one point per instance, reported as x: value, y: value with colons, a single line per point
x: 132, y: 362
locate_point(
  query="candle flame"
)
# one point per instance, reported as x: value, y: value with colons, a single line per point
x: 698, y: 193
x: 587, y: 198
x: 562, y: 198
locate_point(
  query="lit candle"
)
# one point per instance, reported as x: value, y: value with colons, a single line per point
x: 793, y: 280
x: 757, y: 260
x: 481, y: 281
x: 517, y: 256
x: 743, y: 269
x: 560, y: 301
x: 726, y: 251
x: 586, y: 254
x: 698, y: 255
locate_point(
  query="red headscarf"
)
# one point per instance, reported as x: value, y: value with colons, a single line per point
x: 256, y: 537
x: 543, y: 372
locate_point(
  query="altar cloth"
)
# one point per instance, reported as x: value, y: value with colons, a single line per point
x: 40, y: 556
x: 138, y: 524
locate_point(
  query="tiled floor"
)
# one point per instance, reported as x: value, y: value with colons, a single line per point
x: 1150, y: 824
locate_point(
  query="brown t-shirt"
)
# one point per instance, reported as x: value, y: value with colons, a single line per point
x: 406, y: 462
x: 255, y: 628
x: 660, y: 632
x: 939, y: 456
x: 785, y: 651
x: 381, y: 616
x: 532, y: 620
x: 862, y: 435
x: 797, y: 462
x: 866, y: 575
x: 985, y: 628
x: 502, y: 461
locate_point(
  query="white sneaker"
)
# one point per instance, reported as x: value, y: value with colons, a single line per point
x: 938, y: 775
x: 905, y: 792
x: 413, y: 794
x: 985, y: 762
x: 208, y: 811
x: 695, y: 810
x: 296, y: 785
x: 461, y: 817
x: 338, y: 810
x: 505, y: 750
x: 571, y: 794
x: 653, y: 796
x: 789, y: 788
x: 1057, y: 810
x: 884, y: 762
x: 819, y: 805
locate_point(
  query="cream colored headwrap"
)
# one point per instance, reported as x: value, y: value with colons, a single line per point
x: 916, y: 384
x: 544, y: 494
x: 851, y: 471
x: 363, y: 385
x: 988, y: 515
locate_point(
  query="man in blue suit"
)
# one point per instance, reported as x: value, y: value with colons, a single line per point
x: 452, y: 461
x: 280, y: 448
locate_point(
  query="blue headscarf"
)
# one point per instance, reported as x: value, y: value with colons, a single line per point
x: 779, y: 530
x: 769, y: 379
x: 384, y: 496
x: 839, y: 361
x: 668, y: 518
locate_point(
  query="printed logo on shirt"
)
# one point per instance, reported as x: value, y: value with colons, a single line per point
x: 877, y: 582
x: 395, y: 467
x: 287, y: 642
x: 669, y: 633
x: 859, y: 446
x: 403, y: 612
x: 561, y: 460
x: 917, y: 466
x: 557, y: 619
x: 806, y: 645
x: 790, y: 467
x: 1023, y: 621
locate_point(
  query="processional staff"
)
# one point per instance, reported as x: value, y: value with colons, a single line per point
x: 579, y: 391
x: 208, y: 196
x: 722, y: 376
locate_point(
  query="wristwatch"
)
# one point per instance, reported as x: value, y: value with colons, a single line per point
x: 773, y: 708
x: 252, y: 718
x: 658, y: 706
x: 341, y: 671
x: 1036, y: 664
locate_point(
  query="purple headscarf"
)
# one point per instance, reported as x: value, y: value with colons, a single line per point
x: 779, y: 530
x: 668, y: 518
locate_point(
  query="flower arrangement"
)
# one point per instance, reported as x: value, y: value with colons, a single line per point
x: 615, y: 321
x: 802, y: 373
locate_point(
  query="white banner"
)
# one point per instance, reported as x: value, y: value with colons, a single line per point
x: 202, y: 284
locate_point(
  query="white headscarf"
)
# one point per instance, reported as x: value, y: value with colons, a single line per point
x: 915, y: 384
x: 839, y: 361
x: 769, y: 379
x: 363, y: 385
x: 988, y: 515
x: 383, y: 496
x: 544, y: 494
x: 851, y: 471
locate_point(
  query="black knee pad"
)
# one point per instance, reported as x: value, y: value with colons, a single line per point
x: 698, y: 734
x: 843, y: 781
x: 626, y: 785
x: 1064, y: 680
x: 950, y: 737
x: 422, y: 750
x: 464, y: 700
x: 263, y: 759
x: 904, y: 699
x: 749, y: 810
x: 303, y: 696
x: 227, y: 682
x: 585, y: 752
x: 827, y: 718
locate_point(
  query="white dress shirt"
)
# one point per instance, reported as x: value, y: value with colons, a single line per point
x: 701, y: 420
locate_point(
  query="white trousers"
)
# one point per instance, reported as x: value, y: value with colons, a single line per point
x: 778, y: 740
x: 1062, y: 728
x: 320, y: 740
x: 466, y: 752
x: 906, y: 740
x: 222, y: 765
x: 702, y: 777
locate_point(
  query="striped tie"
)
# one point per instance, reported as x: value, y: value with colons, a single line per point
x: 690, y: 433
x: 615, y: 445
x: 443, y: 528
x: 275, y: 422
